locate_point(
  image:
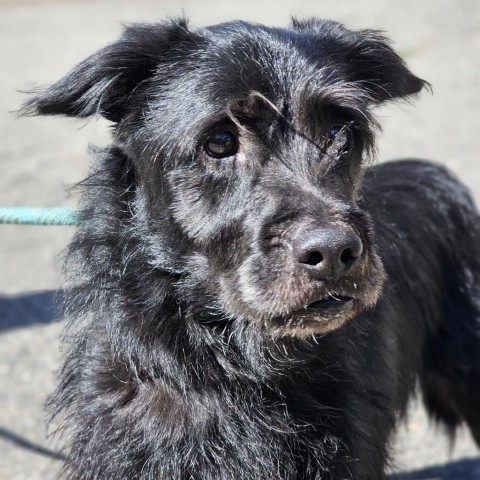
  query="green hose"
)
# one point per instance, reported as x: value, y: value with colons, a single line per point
x: 38, y: 216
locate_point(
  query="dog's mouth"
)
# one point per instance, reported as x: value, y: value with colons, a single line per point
x: 320, y: 316
x: 317, y: 317
x: 330, y: 303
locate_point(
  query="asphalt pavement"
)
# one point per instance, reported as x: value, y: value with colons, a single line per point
x: 40, y: 157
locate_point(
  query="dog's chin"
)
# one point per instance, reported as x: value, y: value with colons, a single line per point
x: 321, y: 313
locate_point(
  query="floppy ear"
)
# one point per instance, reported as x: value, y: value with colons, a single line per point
x: 380, y: 69
x: 106, y: 82
x: 365, y: 57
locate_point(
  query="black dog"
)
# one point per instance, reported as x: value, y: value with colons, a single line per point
x: 248, y: 300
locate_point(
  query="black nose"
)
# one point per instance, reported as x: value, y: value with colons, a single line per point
x: 328, y: 252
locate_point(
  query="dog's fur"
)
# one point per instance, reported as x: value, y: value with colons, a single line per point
x: 197, y: 349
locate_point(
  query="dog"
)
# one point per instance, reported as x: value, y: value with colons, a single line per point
x: 248, y: 295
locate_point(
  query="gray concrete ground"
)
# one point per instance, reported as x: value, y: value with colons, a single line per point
x: 41, y: 40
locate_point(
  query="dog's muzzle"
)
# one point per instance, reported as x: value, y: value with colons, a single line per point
x: 309, y: 277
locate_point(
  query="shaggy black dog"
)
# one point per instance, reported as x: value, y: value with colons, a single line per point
x: 248, y: 300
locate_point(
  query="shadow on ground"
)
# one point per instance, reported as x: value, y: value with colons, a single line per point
x: 29, y: 309
x: 466, y: 469
x: 24, y: 443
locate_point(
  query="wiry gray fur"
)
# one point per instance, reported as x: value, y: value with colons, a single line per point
x: 192, y: 349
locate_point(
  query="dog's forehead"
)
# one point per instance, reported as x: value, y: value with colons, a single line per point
x: 239, y: 58
x: 261, y: 53
x: 231, y: 61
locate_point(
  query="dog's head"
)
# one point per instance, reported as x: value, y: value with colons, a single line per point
x: 247, y: 145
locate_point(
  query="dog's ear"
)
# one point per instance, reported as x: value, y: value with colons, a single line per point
x: 105, y: 82
x: 364, y: 57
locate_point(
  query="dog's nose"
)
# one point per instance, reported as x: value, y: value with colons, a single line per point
x: 328, y: 252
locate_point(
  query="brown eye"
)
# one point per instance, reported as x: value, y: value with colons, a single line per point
x: 221, y: 145
x: 339, y: 140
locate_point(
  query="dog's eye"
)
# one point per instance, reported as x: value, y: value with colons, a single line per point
x: 339, y: 140
x: 221, y: 145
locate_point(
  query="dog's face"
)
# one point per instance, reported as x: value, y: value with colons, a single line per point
x: 247, y: 145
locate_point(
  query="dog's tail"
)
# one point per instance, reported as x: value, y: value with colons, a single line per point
x: 450, y: 376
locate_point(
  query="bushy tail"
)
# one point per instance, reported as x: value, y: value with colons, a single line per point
x: 450, y: 378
